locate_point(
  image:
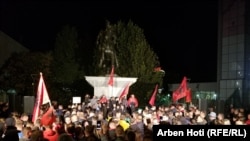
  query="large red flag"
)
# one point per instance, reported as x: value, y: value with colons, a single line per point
x: 41, y: 98
x: 188, y: 95
x: 124, y: 92
x: 111, y: 77
x: 181, y: 91
x: 153, y: 97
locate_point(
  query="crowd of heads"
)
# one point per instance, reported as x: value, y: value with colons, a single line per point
x: 98, y: 119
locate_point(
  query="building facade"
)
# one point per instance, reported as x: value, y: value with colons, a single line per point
x: 8, y: 46
x: 233, y: 51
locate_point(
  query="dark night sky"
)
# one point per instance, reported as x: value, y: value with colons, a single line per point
x: 183, y: 34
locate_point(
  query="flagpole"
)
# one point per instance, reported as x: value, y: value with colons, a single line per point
x: 113, y: 83
x: 111, y: 80
x: 41, y: 75
x: 113, y: 90
x: 42, y: 97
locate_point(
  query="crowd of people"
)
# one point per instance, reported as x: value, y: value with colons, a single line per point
x: 107, y: 119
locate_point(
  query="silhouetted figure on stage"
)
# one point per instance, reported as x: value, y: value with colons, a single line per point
x: 86, y: 99
x: 132, y: 103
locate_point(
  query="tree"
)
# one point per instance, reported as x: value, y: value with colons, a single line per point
x: 68, y: 74
x: 135, y: 56
x: 21, y: 71
x: 85, y: 54
x: 65, y: 66
x: 134, y: 52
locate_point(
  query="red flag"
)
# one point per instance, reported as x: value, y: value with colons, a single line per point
x: 124, y: 92
x: 111, y: 77
x: 41, y: 98
x: 153, y: 97
x: 181, y: 91
x: 48, y: 117
x: 188, y: 95
x: 175, y: 96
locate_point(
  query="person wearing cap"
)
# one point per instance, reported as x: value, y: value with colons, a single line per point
x: 211, y: 118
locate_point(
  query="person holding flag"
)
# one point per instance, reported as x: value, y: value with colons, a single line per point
x: 181, y: 91
x: 123, y: 96
x: 44, y: 112
x: 132, y: 103
x: 124, y: 92
x: 42, y: 99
